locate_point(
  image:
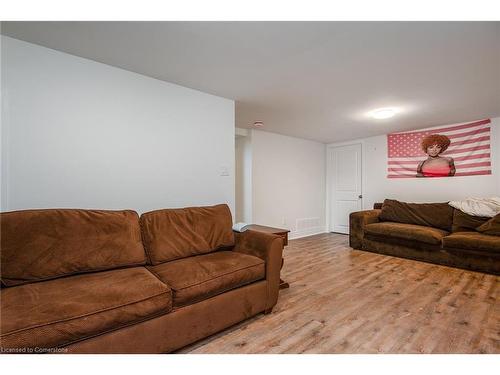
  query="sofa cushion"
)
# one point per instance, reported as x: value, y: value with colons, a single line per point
x: 179, y: 233
x: 436, y: 215
x: 463, y: 222
x: 491, y: 227
x: 472, y: 241
x: 200, y: 277
x: 57, y: 312
x: 411, y: 232
x: 44, y: 244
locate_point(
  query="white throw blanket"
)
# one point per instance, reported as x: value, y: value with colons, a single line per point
x: 486, y: 207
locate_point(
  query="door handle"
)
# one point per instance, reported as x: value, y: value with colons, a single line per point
x: 360, y: 196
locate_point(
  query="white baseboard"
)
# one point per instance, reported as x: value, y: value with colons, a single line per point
x: 306, y: 232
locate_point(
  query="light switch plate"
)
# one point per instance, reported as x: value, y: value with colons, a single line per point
x: 224, y: 171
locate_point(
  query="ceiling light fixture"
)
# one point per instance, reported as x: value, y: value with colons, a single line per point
x: 383, y: 113
x: 258, y: 124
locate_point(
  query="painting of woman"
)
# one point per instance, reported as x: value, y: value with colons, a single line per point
x: 436, y: 165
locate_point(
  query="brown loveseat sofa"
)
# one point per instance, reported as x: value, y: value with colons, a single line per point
x: 431, y: 232
x: 93, y: 281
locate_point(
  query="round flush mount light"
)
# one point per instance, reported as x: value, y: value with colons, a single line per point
x: 383, y: 113
x: 258, y: 124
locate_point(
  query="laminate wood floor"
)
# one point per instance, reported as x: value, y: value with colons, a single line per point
x: 348, y: 301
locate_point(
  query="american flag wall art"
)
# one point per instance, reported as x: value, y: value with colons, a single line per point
x: 445, y: 151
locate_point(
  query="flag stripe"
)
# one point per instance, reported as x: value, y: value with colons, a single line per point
x: 418, y: 160
x: 413, y: 167
x: 413, y: 171
x: 461, y: 166
x: 472, y: 140
x: 456, y: 152
x: 470, y: 157
x: 465, y: 141
x: 452, y: 135
x: 466, y: 134
x: 450, y: 128
x: 459, y: 131
x: 475, y: 173
x: 473, y: 165
x: 466, y: 149
x: 459, y: 127
x: 458, y: 159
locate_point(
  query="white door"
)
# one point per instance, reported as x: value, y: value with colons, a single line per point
x: 345, y: 185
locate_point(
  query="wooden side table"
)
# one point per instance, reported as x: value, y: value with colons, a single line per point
x: 278, y: 231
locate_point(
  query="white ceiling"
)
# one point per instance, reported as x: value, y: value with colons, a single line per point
x: 313, y: 80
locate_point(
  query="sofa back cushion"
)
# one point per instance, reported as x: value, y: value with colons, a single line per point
x: 436, y: 215
x: 45, y: 244
x: 179, y: 233
x: 463, y: 222
x: 491, y: 226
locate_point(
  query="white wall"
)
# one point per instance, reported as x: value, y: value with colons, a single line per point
x: 377, y: 187
x: 76, y: 133
x: 288, y: 181
x: 243, y: 178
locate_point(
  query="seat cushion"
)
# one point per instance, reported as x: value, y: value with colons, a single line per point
x: 196, y: 278
x: 60, y: 311
x: 463, y: 222
x: 179, y: 233
x: 434, y: 215
x: 491, y: 227
x: 411, y: 232
x: 50, y: 243
x: 472, y: 241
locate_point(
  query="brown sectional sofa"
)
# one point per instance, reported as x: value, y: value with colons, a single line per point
x: 431, y: 232
x: 94, y: 281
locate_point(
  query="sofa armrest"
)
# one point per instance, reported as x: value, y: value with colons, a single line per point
x: 357, y: 222
x: 268, y: 247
